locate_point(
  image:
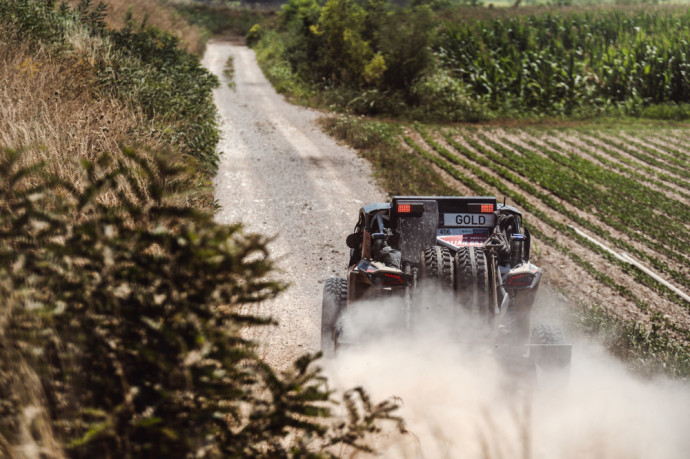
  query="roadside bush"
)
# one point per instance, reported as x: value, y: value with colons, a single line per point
x: 441, y: 97
x: 404, y: 42
x: 254, y: 34
x: 126, y: 321
x: 272, y: 57
x: 344, y: 52
x: 169, y: 84
x: 674, y: 112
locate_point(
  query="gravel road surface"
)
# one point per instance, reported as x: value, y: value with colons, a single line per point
x: 281, y: 176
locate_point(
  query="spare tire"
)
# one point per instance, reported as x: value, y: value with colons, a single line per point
x: 472, y: 279
x: 334, y: 301
x: 437, y: 267
x: 436, y: 277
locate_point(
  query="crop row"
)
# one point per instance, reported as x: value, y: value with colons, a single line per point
x: 592, y: 186
x: 620, y: 202
x: 496, y: 161
x: 633, y: 206
x: 649, y: 156
x: 620, y: 166
x: 670, y: 154
x: 650, y: 171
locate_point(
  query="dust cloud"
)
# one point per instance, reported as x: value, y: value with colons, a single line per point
x: 459, y: 401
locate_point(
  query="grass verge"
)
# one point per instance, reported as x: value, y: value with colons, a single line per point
x: 398, y: 171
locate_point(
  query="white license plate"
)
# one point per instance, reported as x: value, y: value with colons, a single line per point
x: 469, y: 220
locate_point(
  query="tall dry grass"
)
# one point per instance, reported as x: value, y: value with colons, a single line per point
x: 51, y: 111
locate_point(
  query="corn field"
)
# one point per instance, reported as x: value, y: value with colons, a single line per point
x: 562, y: 63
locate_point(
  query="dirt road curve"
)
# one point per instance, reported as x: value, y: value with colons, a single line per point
x: 280, y: 175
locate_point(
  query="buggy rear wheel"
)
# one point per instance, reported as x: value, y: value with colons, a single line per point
x: 334, y: 301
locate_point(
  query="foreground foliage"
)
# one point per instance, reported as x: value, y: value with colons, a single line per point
x: 121, y: 326
x: 121, y: 306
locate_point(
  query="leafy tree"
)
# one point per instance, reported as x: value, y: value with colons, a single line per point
x: 344, y: 51
x: 404, y: 42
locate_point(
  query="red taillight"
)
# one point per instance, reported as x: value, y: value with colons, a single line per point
x: 392, y: 279
x: 479, y: 207
x: 409, y: 209
x: 520, y: 280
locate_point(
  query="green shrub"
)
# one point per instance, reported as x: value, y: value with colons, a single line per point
x: 404, y: 41
x: 441, y: 97
x: 254, y: 34
x: 168, y: 83
x: 272, y: 57
x: 129, y: 316
x: 675, y: 112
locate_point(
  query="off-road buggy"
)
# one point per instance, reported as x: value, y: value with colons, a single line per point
x: 472, y: 248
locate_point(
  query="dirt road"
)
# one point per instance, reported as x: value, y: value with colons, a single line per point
x: 281, y: 176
